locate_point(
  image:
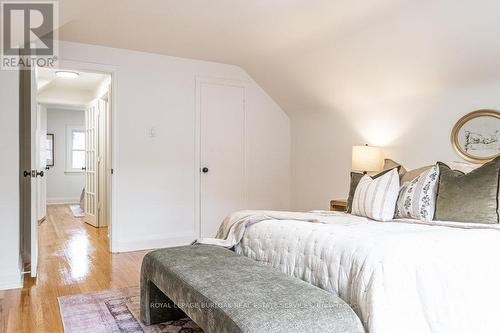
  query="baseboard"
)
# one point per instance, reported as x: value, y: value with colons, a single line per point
x: 11, y: 279
x: 155, y: 242
x: 63, y: 201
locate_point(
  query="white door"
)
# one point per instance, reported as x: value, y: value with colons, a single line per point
x: 29, y: 160
x: 91, y: 164
x: 222, y: 155
x: 42, y: 162
x: 35, y: 162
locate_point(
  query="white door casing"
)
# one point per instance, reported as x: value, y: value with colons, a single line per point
x: 108, y: 165
x: 222, y: 152
x: 102, y: 194
x: 91, y: 164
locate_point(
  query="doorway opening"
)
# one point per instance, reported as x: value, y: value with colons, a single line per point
x: 66, y: 158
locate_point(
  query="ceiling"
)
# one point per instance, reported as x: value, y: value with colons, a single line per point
x: 53, y: 89
x: 309, y: 55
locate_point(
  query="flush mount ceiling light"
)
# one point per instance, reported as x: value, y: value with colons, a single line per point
x: 67, y: 74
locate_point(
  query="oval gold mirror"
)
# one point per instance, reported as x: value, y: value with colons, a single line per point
x: 476, y: 136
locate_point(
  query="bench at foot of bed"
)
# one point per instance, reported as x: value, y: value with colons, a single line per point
x: 225, y: 292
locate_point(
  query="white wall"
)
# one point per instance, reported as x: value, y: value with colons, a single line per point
x: 154, y: 177
x: 10, y: 276
x: 414, y: 131
x: 63, y: 186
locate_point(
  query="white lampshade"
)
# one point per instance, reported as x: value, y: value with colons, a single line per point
x: 366, y: 158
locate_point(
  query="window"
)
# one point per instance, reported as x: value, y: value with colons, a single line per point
x: 49, y: 150
x: 75, y: 150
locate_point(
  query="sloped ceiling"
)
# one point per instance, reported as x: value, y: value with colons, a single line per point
x: 309, y: 55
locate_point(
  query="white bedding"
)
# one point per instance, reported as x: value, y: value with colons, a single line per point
x: 398, y: 276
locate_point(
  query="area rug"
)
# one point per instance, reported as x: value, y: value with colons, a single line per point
x: 77, y: 211
x: 115, y: 310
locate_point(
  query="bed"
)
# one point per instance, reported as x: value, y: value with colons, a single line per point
x: 399, y: 276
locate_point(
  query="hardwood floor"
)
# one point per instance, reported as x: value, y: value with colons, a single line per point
x: 73, y: 259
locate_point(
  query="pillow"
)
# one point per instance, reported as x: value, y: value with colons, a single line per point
x: 376, y: 198
x: 417, y: 198
x: 355, y: 178
x: 471, y: 197
x: 465, y: 167
x: 404, y: 175
x: 391, y: 164
x: 412, y: 174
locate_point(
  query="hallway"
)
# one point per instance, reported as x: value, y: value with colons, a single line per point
x: 74, y: 258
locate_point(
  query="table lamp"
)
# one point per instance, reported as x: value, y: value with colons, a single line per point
x: 366, y: 158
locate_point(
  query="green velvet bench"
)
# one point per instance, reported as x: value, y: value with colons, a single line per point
x: 222, y: 291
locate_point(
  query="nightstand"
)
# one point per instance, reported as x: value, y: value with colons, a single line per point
x: 338, y: 205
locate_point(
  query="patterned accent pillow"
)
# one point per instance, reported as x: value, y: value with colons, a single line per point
x: 417, y: 198
x: 376, y: 198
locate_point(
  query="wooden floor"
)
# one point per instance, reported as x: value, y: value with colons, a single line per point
x: 73, y: 259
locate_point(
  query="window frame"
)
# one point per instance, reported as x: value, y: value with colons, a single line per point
x: 69, y: 148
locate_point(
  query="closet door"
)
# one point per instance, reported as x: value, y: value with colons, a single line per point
x: 222, y: 155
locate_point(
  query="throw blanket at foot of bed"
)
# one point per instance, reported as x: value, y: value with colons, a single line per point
x: 225, y: 292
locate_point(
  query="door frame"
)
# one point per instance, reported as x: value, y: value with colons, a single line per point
x: 113, y: 136
x: 199, y: 80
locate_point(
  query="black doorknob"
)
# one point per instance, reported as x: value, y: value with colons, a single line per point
x: 27, y: 173
x: 40, y: 173
x: 204, y: 170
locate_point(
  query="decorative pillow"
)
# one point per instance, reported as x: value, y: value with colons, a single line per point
x: 355, y: 178
x: 471, y: 197
x: 412, y: 174
x: 391, y: 164
x: 376, y: 198
x: 405, y: 175
x: 417, y: 198
x: 465, y: 167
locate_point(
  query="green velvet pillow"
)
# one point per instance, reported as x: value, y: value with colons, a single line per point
x: 355, y: 178
x: 471, y: 197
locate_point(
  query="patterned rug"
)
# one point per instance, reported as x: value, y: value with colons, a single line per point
x: 115, y: 310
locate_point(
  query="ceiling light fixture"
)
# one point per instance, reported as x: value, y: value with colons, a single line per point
x: 67, y: 74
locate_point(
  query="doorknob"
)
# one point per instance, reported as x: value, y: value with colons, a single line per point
x: 84, y: 168
x: 40, y: 173
x: 27, y: 173
x: 204, y: 170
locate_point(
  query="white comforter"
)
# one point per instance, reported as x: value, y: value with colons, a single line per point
x: 399, y: 277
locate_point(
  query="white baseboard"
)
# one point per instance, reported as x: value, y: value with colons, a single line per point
x: 155, y: 242
x: 11, y: 279
x: 63, y: 201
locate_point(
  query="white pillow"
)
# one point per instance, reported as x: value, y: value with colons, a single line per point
x: 465, y: 167
x: 417, y: 199
x: 376, y: 198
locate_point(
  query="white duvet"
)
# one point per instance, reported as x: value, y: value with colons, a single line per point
x: 399, y: 277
